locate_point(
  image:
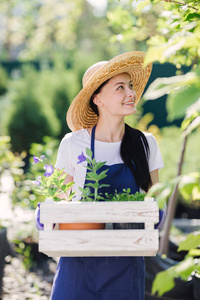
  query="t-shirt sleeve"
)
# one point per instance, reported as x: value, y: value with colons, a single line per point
x: 64, y: 157
x: 155, y: 157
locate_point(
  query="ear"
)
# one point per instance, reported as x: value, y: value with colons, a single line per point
x: 97, y: 100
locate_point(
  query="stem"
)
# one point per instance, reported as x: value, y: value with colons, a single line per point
x: 96, y: 189
x: 95, y: 194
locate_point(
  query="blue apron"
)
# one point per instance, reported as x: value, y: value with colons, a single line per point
x: 102, y: 278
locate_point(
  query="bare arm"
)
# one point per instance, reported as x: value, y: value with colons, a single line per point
x: 154, y: 176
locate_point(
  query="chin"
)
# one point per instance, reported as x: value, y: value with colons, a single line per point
x: 133, y: 111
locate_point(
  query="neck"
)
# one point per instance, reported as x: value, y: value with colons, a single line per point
x: 110, y: 130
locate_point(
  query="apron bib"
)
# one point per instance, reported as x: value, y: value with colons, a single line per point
x: 102, y: 278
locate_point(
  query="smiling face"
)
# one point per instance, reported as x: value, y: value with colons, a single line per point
x: 116, y: 97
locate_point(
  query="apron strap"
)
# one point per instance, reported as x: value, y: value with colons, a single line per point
x: 92, y: 141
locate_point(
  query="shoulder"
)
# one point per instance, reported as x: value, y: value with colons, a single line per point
x: 150, y: 138
x: 75, y: 136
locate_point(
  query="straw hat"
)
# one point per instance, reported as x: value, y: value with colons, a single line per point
x: 80, y: 115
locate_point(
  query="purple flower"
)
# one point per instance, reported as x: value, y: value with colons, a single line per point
x: 36, y: 159
x: 49, y: 170
x: 37, y: 182
x: 81, y: 158
x: 42, y: 157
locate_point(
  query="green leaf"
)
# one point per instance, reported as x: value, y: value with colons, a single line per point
x: 193, y: 125
x: 90, y: 184
x: 194, y: 252
x: 96, y: 185
x: 89, y: 168
x: 70, y: 184
x: 63, y: 187
x: 191, y: 242
x: 142, y: 4
x: 89, y: 152
x: 178, y: 102
x: 88, y: 161
x: 100, y: 164
x: 102, y: 175
x: 104, y: 185
x: 191, y: 16
x: 184, y: 268
x: 92, y: 176
x: 163, y: 282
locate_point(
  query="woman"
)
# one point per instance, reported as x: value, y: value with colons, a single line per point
x: 111, y: 91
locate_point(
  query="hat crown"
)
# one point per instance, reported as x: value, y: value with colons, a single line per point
x: 91, y: 71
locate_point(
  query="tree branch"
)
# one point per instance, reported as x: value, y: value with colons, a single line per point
x: 182, y: 4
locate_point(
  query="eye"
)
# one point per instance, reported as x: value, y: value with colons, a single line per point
x: 120, y: 87
x: 131, y: 86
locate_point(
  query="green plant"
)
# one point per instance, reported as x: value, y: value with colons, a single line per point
x: 164, y: 280
x: 23, y: 195
x: 126, y: 196
x: 52, y: 183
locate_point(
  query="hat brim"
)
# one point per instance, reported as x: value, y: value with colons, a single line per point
x: 80, y: 115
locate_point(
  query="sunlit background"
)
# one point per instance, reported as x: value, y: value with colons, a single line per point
x: 45, y: 48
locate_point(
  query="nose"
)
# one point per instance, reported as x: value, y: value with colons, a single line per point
x: 131, y: 93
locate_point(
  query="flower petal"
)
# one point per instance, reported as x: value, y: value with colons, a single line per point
x: 49, y: 170
x: 36, y: 182
x: 81, y: 158
x: 36, y: 159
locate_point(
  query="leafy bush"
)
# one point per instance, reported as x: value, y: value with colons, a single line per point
x: 38, y: 104
x: 60, y: 86
x: 30, y: 116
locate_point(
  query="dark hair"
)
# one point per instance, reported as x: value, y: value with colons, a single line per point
x: 93, y: 106
x: 134, y: 150
x: 135, y: 153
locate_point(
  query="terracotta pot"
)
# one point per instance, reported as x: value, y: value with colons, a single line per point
x: 81, y: 226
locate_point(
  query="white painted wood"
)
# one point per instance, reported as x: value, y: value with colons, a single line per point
x: 48, y: 226
x: 99, y: 243
x: 99, y: 212
x: 143, y: 242
x: 149, y: 225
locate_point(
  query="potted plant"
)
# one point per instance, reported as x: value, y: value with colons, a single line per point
x: 118, y: 208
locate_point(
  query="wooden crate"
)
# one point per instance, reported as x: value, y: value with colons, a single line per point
x: 130, y: 242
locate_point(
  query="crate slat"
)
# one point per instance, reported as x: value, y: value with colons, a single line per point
x: 99, y: 212
x: 99, y: 243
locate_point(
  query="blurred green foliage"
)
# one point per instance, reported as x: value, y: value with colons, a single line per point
x: 30, y: 115
x: 9, y: 161
x: 164, y: 280
x: 38, y: 104
x: 170, y: 146
x: 3, y: 81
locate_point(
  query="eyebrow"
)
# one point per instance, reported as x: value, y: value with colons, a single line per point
x: 123, y: 82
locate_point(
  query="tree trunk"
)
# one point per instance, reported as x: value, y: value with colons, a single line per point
x: 164, y: 242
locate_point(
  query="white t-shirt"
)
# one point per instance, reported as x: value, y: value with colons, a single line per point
x: 75, y: 143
